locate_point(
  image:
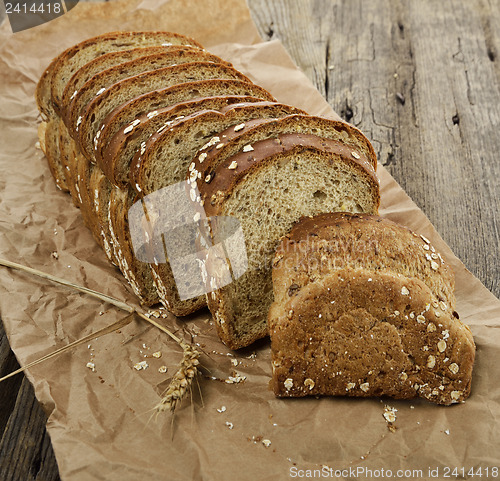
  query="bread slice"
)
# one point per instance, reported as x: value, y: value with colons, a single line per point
x: 359, y: 332
x: 232, y: 140
x: 268, y: 188
x: 126, y: 113
x: 137, y: 273
x: 100, y: 189
x: 53, y: 82
x: 89, y: 123
x: 98, y: 83
x: 51, y: 136
x: 112, y: 59
x: 319, y: 245
x: 118, y: 154
x: 165, y: 157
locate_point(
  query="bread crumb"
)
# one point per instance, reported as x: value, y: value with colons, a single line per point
x: 141, y: 365
x: 447, y: 432
x: 390, y: 414
x: 55, y: 255
x: 350, y: 386
x: 266, y: 443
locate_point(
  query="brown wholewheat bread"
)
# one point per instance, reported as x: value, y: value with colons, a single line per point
x: 165, y: 157
x: 117, y: 156
x: 124, y: 114
x: 59, y: 71
x: 98, y: 83
x: 109, y: 60
x: 90, y: 123
x: 321, y: 244
x: 267, y: 189
x: 52, y: 83
x: 360, y: 332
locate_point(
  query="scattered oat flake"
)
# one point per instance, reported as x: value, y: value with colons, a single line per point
x: 162, y: 369
x: 55, y: 255
x: 434, y: 265
x: 229, y: 425
x: 247, y: 148
x: 141, y: 365
x: 355, y: 155
x: 239, y: 127
x: 222, y: 409
x: 91, y: 366
x: 404, y: 291
x: 309, y: 383
x: 447, y: 432
x: 390, y: 414
x: 157, y: 354
x: 365, y: 386
x: 266, y: 443
x: 233, y: 165
x: 234, y: 362
x: 288, y: 383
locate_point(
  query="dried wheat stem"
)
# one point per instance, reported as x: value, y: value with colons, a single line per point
x: 99, y: 295
x: 181, y: 381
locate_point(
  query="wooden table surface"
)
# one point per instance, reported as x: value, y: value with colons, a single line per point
x: 422, y: 81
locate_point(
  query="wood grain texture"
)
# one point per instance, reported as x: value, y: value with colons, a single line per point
x: 422, y: 80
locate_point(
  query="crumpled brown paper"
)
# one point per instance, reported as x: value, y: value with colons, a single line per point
x: 101, y: 423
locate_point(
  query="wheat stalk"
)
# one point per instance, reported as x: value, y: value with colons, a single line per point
x: 182, y: 380
x: 187, y: 371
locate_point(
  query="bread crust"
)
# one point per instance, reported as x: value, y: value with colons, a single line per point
x: 97, y: 110
x: 114, y: 160
x: 127, y: 112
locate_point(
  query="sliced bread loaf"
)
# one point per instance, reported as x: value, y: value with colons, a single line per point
x: 89, y: 123
x: 359, y: 332
x: 268, y: 188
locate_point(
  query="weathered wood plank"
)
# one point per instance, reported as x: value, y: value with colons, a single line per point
x: 421, y: 79
x: 25, y: 450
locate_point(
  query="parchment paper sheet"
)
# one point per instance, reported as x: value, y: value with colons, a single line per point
x: 100, y: 422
